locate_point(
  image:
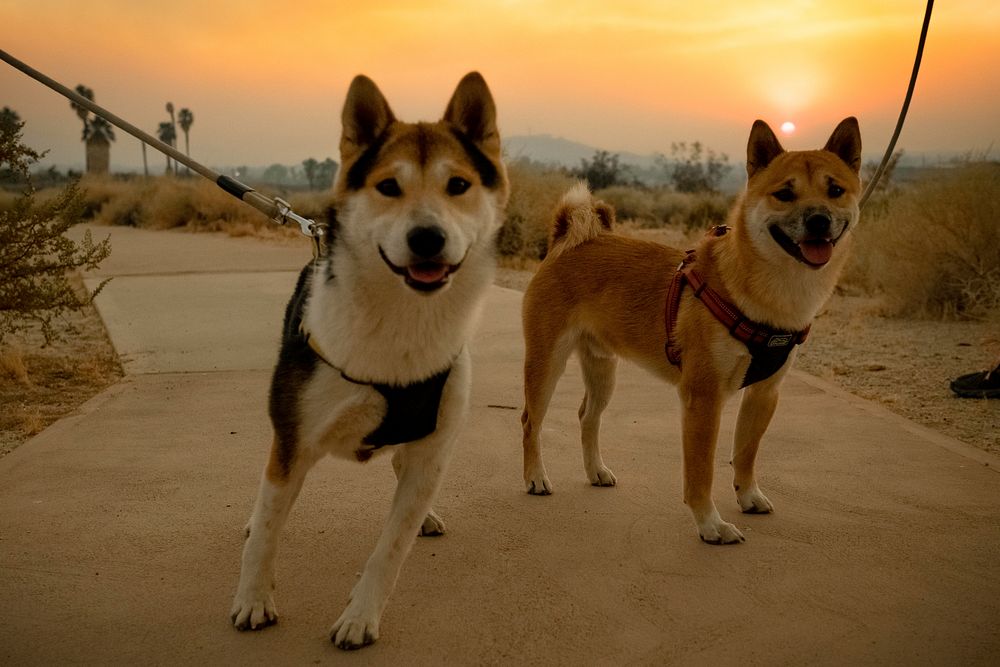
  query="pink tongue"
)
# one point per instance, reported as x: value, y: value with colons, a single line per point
x: 427, y: 273
x: 816, y: 252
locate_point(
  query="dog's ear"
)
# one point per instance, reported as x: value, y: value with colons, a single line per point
x: 472, y: 111
x: 845, y: 143
x: 762, y: 147
x: 366, y: 116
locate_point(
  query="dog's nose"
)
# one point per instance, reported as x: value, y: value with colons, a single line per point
x: 818, y: 225
x: 426, y: 242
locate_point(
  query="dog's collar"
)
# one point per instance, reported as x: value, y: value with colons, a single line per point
x: 769, y: 348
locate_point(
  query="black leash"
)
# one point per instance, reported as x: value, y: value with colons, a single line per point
x: 902, y: 113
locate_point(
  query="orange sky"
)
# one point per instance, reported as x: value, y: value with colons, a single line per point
x: 266, y: 80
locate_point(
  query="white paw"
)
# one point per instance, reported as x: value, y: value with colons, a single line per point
x: 752, y: 501
x: 253, y: 611
x: 538, y: 485
x: 354, y: 630
x: 720, y: 532
x: 602, y: 476
x: 432, y: 526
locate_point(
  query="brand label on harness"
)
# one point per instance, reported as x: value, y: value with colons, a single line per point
x: 781, y: 340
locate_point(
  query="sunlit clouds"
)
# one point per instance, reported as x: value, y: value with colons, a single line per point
x: 266, y: 79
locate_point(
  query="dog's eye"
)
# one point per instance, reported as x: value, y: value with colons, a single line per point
x: 389, y: 188
x: 784, y: 194
x: 457, y: 186
x: 835, y: 191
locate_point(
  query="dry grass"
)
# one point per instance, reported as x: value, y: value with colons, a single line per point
x: 932, y: 249
x: 38, y: 385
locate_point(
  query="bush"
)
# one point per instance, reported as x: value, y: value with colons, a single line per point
x: 931, y: 249
x: 534, y: 193
x: 35, y: 254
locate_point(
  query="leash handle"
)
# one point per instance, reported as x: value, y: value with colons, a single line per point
x: 277, y: 210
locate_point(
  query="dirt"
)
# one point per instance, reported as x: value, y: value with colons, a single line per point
x: 904, y: 364
x: 42, y: 383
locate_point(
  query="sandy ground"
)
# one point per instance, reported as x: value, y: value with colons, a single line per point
x: 903, y: 364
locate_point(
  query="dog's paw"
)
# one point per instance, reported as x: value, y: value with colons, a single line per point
x: 433, y: 525
x: 721, y: 533
x: 753, y: 501
x: 539, y: 486
x: 602, y: 477
x: 253, y: 612
x: 353, y: 630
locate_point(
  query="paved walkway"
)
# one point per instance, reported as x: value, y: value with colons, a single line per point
x: 120, y: 526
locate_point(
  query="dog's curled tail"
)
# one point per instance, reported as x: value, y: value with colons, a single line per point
x: 579, y: 218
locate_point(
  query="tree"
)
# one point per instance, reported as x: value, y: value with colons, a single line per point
x: 186, y: 120
x: 167, y: 135
x: 35, y: 254
x: 326, y: 172
x: 310, y: 166
x: 82, y: 111
x: 693, y: 169
x: 97, y: 135
x: 602, y: 171
x: 276, y: 174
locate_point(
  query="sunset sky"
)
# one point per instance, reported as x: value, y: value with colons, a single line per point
x: 266, y: 80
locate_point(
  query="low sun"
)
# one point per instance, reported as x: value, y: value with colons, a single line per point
x: 788, y: 127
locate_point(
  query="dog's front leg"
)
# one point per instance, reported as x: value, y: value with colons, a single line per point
x: 421, y: 467
x: 433, y: 525
x: 702, y: 410
x: 756, y: 410
x: 253, y: 607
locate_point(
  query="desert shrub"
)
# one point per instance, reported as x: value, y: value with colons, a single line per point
x: 194, y: 204
x: 632, y: 203
x: 534, y: 193
x: 35, y: 254
x: 932, y: 248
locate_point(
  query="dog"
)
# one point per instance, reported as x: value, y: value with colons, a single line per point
x: 374, y: 353
x: 726, y: 315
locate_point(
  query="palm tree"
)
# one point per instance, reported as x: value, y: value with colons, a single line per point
x: 83, y: 112
x: 98, y: 134
x: 167, y: 135
x: 186, y: 120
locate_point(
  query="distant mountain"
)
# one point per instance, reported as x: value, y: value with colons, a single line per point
x: 548, y: 149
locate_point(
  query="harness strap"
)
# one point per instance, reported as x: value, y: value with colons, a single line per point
x: 769, y: 348
x: 411, y: 409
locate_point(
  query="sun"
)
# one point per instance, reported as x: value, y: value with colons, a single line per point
x: 788, y: 127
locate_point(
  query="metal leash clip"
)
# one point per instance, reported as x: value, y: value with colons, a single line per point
x: 314, y: 230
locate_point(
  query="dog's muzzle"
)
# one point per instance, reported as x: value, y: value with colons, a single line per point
x: 815, y: 248
x: 427, y: 273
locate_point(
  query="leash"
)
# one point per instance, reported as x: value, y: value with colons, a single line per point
x: 906, y: 105
x: 276, y: 209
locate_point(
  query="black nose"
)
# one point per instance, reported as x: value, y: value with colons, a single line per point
x: 426, y: 241
x: 818, y: 224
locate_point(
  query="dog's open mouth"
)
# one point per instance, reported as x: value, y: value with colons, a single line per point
x: 423, y: 276
x: 815, y: 252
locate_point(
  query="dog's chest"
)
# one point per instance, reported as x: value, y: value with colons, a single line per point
x: 356, y: 419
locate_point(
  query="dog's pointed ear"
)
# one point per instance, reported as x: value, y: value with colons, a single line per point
x: 472, y: 111
x: 762, y: 147
x: 845, y: 143
x: 365, y: 117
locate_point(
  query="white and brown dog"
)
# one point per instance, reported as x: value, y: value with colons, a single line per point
x: 725, y: 316
x: 374, y: 349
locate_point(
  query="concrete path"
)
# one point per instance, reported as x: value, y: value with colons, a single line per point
x: 120, y: 526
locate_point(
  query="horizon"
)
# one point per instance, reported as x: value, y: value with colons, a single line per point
x: 266, y: 85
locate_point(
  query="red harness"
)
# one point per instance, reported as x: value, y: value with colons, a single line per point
x: 769, y: 348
